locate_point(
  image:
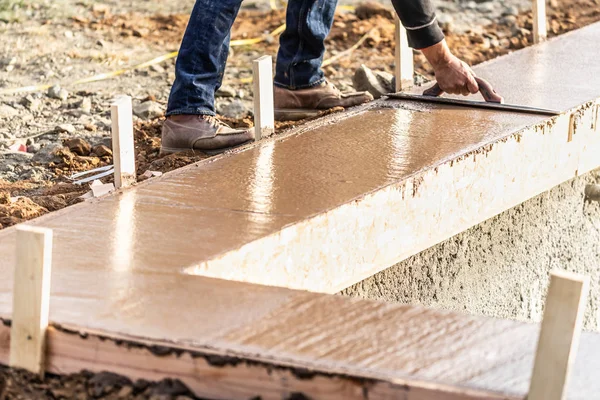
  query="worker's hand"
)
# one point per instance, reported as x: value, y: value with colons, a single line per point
x: 452, y: 75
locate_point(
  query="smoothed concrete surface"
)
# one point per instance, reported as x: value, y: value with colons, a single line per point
x: 501, y: 267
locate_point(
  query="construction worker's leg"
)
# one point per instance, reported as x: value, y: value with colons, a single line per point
x: 202, y: 57
x: 302, y: 44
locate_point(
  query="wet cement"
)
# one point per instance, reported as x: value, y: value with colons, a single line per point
x: 501, y: 267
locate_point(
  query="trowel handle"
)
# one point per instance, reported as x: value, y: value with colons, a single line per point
x: 485, y: 88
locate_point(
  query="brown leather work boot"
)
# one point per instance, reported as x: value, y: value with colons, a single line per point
x: 200, y: 132
x: 293, y: 105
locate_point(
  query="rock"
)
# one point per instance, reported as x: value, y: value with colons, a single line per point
x: 78, y: 146
x: 170, y: 387
x: 486, y: 8
x: 235, y: 109
x: 125, y: 392
x: 512, y: 11
x: 34, y: 148
x: 31, y: 103
x: 148, y: 110
x: 7, y: 111
x: 68, y: 128
x: 56, y: 92
x: 106, y: 382
x: 157, y: 68
x: 102, y: 151
x: 33, y: 174
x: 509, y: 20
x: 371, y: 8
x: 445, y: 21
x: 377, y: 83
x: 225, y: 91
x: 47, y: 154
x: 86, y: 105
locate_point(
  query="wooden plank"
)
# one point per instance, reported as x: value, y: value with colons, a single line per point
x: 539, y: 21
x: 31, y: 298
x: 122, y: 140
x: 404, y: 65
x: 264, y: 114
x: 559, y: 336
x: 224, y: 375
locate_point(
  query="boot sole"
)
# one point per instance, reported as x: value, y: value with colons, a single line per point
x: 165, y: 151
x: 283, y: 114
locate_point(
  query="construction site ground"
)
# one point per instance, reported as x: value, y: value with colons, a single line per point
x: 62, y: 42
x: 66, y: 41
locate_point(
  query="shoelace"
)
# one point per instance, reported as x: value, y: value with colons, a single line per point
x: 214, y: 121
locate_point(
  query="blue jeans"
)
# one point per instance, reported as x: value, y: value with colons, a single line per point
x: 203, y: 54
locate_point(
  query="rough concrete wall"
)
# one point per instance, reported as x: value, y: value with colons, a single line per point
x: 501, y: 267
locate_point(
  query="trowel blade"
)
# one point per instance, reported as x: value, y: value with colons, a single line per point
x: 473, y: 104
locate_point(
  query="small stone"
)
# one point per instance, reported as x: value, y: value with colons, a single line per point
x: 125, y: 392
x: 236, y: 109
x: 446, y: 21
x: 86, y: 105
x: 371, y: 8
x: 486, y: 8
x: 511, y: 11
x: 56, y: 92
x: 375, y: 82
x: 68, y: 128
x: 78, y: 146
x: 7, y: 111
x: 31, y: 103
x: 148, y: 110
x: 225, y: 91
x: 69, y: 34
x: 102, y: 151
x: 157, y: 68
x: 34, y: 148
x: 509, y: 20
x: 47, y: 154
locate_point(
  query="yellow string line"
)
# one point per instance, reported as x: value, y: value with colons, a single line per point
x: 157, y: 60
x: 349, y: 50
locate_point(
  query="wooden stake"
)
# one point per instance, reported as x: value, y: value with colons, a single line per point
x: 122, y: 139
x: 31, y: 298
x: 404, y: 65
x: 264, y: 115
x: 559, y: 336
x: 539, y: 21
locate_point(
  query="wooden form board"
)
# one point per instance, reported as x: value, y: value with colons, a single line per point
x: 539, y: 21
x: 123, y: 143
x: 404, y: 61
x: 559, y: 336
x: 264, y: 112
x: 31, y: 298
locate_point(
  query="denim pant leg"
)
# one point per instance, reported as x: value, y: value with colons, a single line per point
x: 302, y: 45
x: 202, y: 57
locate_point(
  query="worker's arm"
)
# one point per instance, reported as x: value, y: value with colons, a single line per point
x: 424, y: 33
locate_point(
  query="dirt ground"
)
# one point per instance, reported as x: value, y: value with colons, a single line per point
x: 21, y: 385
x: 44, y: 137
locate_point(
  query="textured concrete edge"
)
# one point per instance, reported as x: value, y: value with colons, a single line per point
x: 500, y: 268
x: 337, y: 249
x: 225, y: 375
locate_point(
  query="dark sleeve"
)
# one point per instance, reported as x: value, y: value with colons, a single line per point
x: 418, y: 17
